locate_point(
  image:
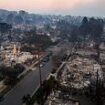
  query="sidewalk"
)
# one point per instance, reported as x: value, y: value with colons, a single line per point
x: 2, y: 86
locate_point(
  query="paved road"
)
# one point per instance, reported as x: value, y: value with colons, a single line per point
x: 26, y: 86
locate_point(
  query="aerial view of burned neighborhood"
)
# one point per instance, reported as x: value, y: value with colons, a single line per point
x: 52, y: 52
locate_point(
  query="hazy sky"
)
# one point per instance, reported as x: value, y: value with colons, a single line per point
x: 73, y: 7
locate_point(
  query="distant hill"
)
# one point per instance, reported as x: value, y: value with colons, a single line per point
x: 23, y: 17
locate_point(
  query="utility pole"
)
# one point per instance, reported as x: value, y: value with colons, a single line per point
x: 39, y: 69
x: 40, y: 74
x: 97, y: 90
x: 97, y: 83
